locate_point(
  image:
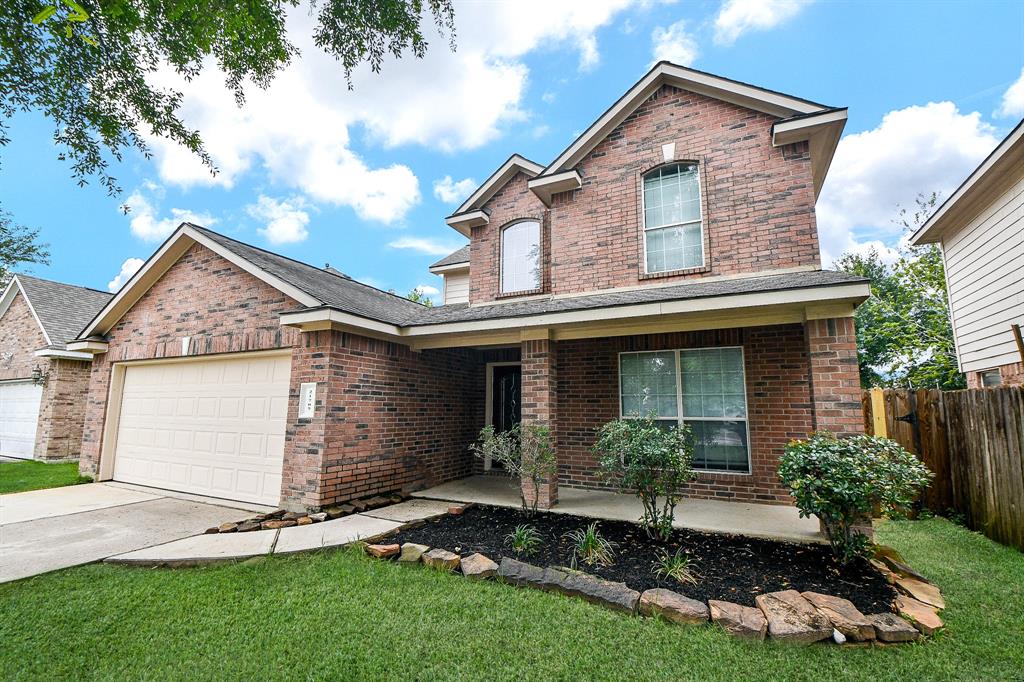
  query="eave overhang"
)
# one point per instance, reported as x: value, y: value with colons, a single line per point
x: 547, y: 186
x: 465, y: 222
x: 451, y: 267
x: 822, y: 132
x: 88, y: 346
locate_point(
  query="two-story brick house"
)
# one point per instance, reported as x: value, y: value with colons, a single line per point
x: 666, y: 261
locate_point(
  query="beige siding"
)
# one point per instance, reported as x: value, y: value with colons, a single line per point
x: 456, y: 287
x: 985, y: 272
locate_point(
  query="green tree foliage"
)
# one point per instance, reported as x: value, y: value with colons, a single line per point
x: 904, y: 333
x: 18, y: 244
x: 525, y: 452
x: 843, y: 480
x: 88, y: 65
x: 417, y: 296
x: 642, y: 457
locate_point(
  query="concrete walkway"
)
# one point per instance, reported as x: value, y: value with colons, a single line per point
x: 46, y: 530
x: 776, y: 522
x: 204, y: 549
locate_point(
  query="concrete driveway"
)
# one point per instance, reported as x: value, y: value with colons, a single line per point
x: 44, y: 530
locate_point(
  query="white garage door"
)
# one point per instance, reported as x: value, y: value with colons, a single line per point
x: 209, y: 427
x: 19, y: 413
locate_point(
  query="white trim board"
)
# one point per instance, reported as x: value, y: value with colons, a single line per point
x: 8, y: 298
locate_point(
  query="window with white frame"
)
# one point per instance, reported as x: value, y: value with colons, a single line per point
x: 704, y: 388
x: 520, y: 257
x: 673, y: 238
x: 990, y: 378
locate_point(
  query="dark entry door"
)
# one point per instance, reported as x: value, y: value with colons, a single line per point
x: 505, y: 397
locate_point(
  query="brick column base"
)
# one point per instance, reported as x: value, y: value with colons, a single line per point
x: 835, y: 376
x: 540, y: 406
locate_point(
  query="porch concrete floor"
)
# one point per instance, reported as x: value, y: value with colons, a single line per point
x: 776, y: 522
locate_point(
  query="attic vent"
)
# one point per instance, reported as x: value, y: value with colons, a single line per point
x: 333, y: 271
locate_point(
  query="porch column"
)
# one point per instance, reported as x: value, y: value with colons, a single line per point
x: 835, y: 376
x: 540, y: 404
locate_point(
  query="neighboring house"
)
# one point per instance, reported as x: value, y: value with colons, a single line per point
x: 454, y: 272
x: 980, y: 228
x: 43, y: 386
x: 667, y: 261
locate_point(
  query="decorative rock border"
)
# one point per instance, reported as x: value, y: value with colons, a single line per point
x: 785, y: 616
x: 282, y: 518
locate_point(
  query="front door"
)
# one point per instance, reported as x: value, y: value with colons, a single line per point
x: 505, y: 397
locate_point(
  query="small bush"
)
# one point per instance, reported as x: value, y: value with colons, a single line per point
x: 590, y: 547
x: 675, y: 566
x: 653, y: 462
x: 524, y: 540
x: 842, y: 480
x: 525, y: 452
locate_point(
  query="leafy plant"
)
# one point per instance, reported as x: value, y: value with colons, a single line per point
x: 651, y: 461
x: 525, y: 452
x: 18, y: 244
x: 676, y: 566
x: 591, y: 547
x: 842, y: 480
x: 524, y: 540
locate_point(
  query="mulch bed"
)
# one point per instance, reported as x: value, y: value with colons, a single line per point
x: 731, y: 568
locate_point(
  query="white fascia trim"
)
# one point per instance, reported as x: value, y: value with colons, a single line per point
x: 464, y: 222
x: 809, y: 295
x: 514, y: 164
x: 822, y: 131
x: 332, y: 316
x: 453, y: 267
x: 548, y: 185
x: 8, y: 298
x: 90, y: 347
x: 749, y: 96
x: 930, y: 231
x: 129, y: 292
x: 788, y: 132
x: 63, y: 354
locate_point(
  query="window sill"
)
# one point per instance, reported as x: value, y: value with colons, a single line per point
x: 674, y: 273
x: 516, y: 294
x: 720, y: 472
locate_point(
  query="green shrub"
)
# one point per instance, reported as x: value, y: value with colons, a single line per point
x: 651, y: 461
x: 676, y: 566
x: 843, y: 480
x: 525, y: 452
x: 524, y: 540
x: 590, y: 547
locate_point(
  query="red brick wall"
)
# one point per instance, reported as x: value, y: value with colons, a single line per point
x: 778, y: 402
x: 835, y: 376
x: 20, y: 337
x: 540, y: 402
x: 1012, y: 374
x: 392, y: 419
x: 222, y: 307
x: 758, y: 200
x: 62, y: 412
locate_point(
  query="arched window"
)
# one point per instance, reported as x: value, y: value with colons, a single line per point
x: 520, y: 257
x: 672, y: 218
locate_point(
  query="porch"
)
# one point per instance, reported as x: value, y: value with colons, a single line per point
x: 772, y: 521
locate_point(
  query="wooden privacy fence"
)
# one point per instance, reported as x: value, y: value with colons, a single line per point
x: 973, y: 441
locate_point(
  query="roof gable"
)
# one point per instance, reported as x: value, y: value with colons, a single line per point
x: 513, y: 165
x: 61, y: 310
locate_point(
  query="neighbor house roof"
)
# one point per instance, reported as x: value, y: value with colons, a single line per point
x: 460, y: 257
x: 62, y: 310
x: 1000, y: 168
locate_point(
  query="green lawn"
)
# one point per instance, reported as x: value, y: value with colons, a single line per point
x: 16, y: 477
x: 339, y: 616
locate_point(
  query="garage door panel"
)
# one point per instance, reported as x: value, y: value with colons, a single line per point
x: 224, y: 436
x: 19, y: 416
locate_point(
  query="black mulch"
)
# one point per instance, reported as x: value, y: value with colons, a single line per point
x: 731, y: 567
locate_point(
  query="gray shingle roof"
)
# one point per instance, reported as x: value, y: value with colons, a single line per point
x: 463, y: 312
x: 363, y: 300
x: 460, y: 256
x: 333, y: 290
x: 63, y: 309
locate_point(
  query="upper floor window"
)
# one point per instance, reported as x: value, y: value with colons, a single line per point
x: 520, y: 257
x: 672, y: 218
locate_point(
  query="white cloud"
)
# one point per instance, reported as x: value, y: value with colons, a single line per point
x: 1012, y: 105
x: 285, y: 219
x: 737, y: 17
x: 128, y: 268
x: 920, y: 149
x: 298, y: 131
x: 428, y: 290
x: 431, y: 247
x: 450, y: 191
x: 147, y: 226
x: 674, y: 44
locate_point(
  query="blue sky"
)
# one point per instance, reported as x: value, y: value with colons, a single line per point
x: 363, y: 179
